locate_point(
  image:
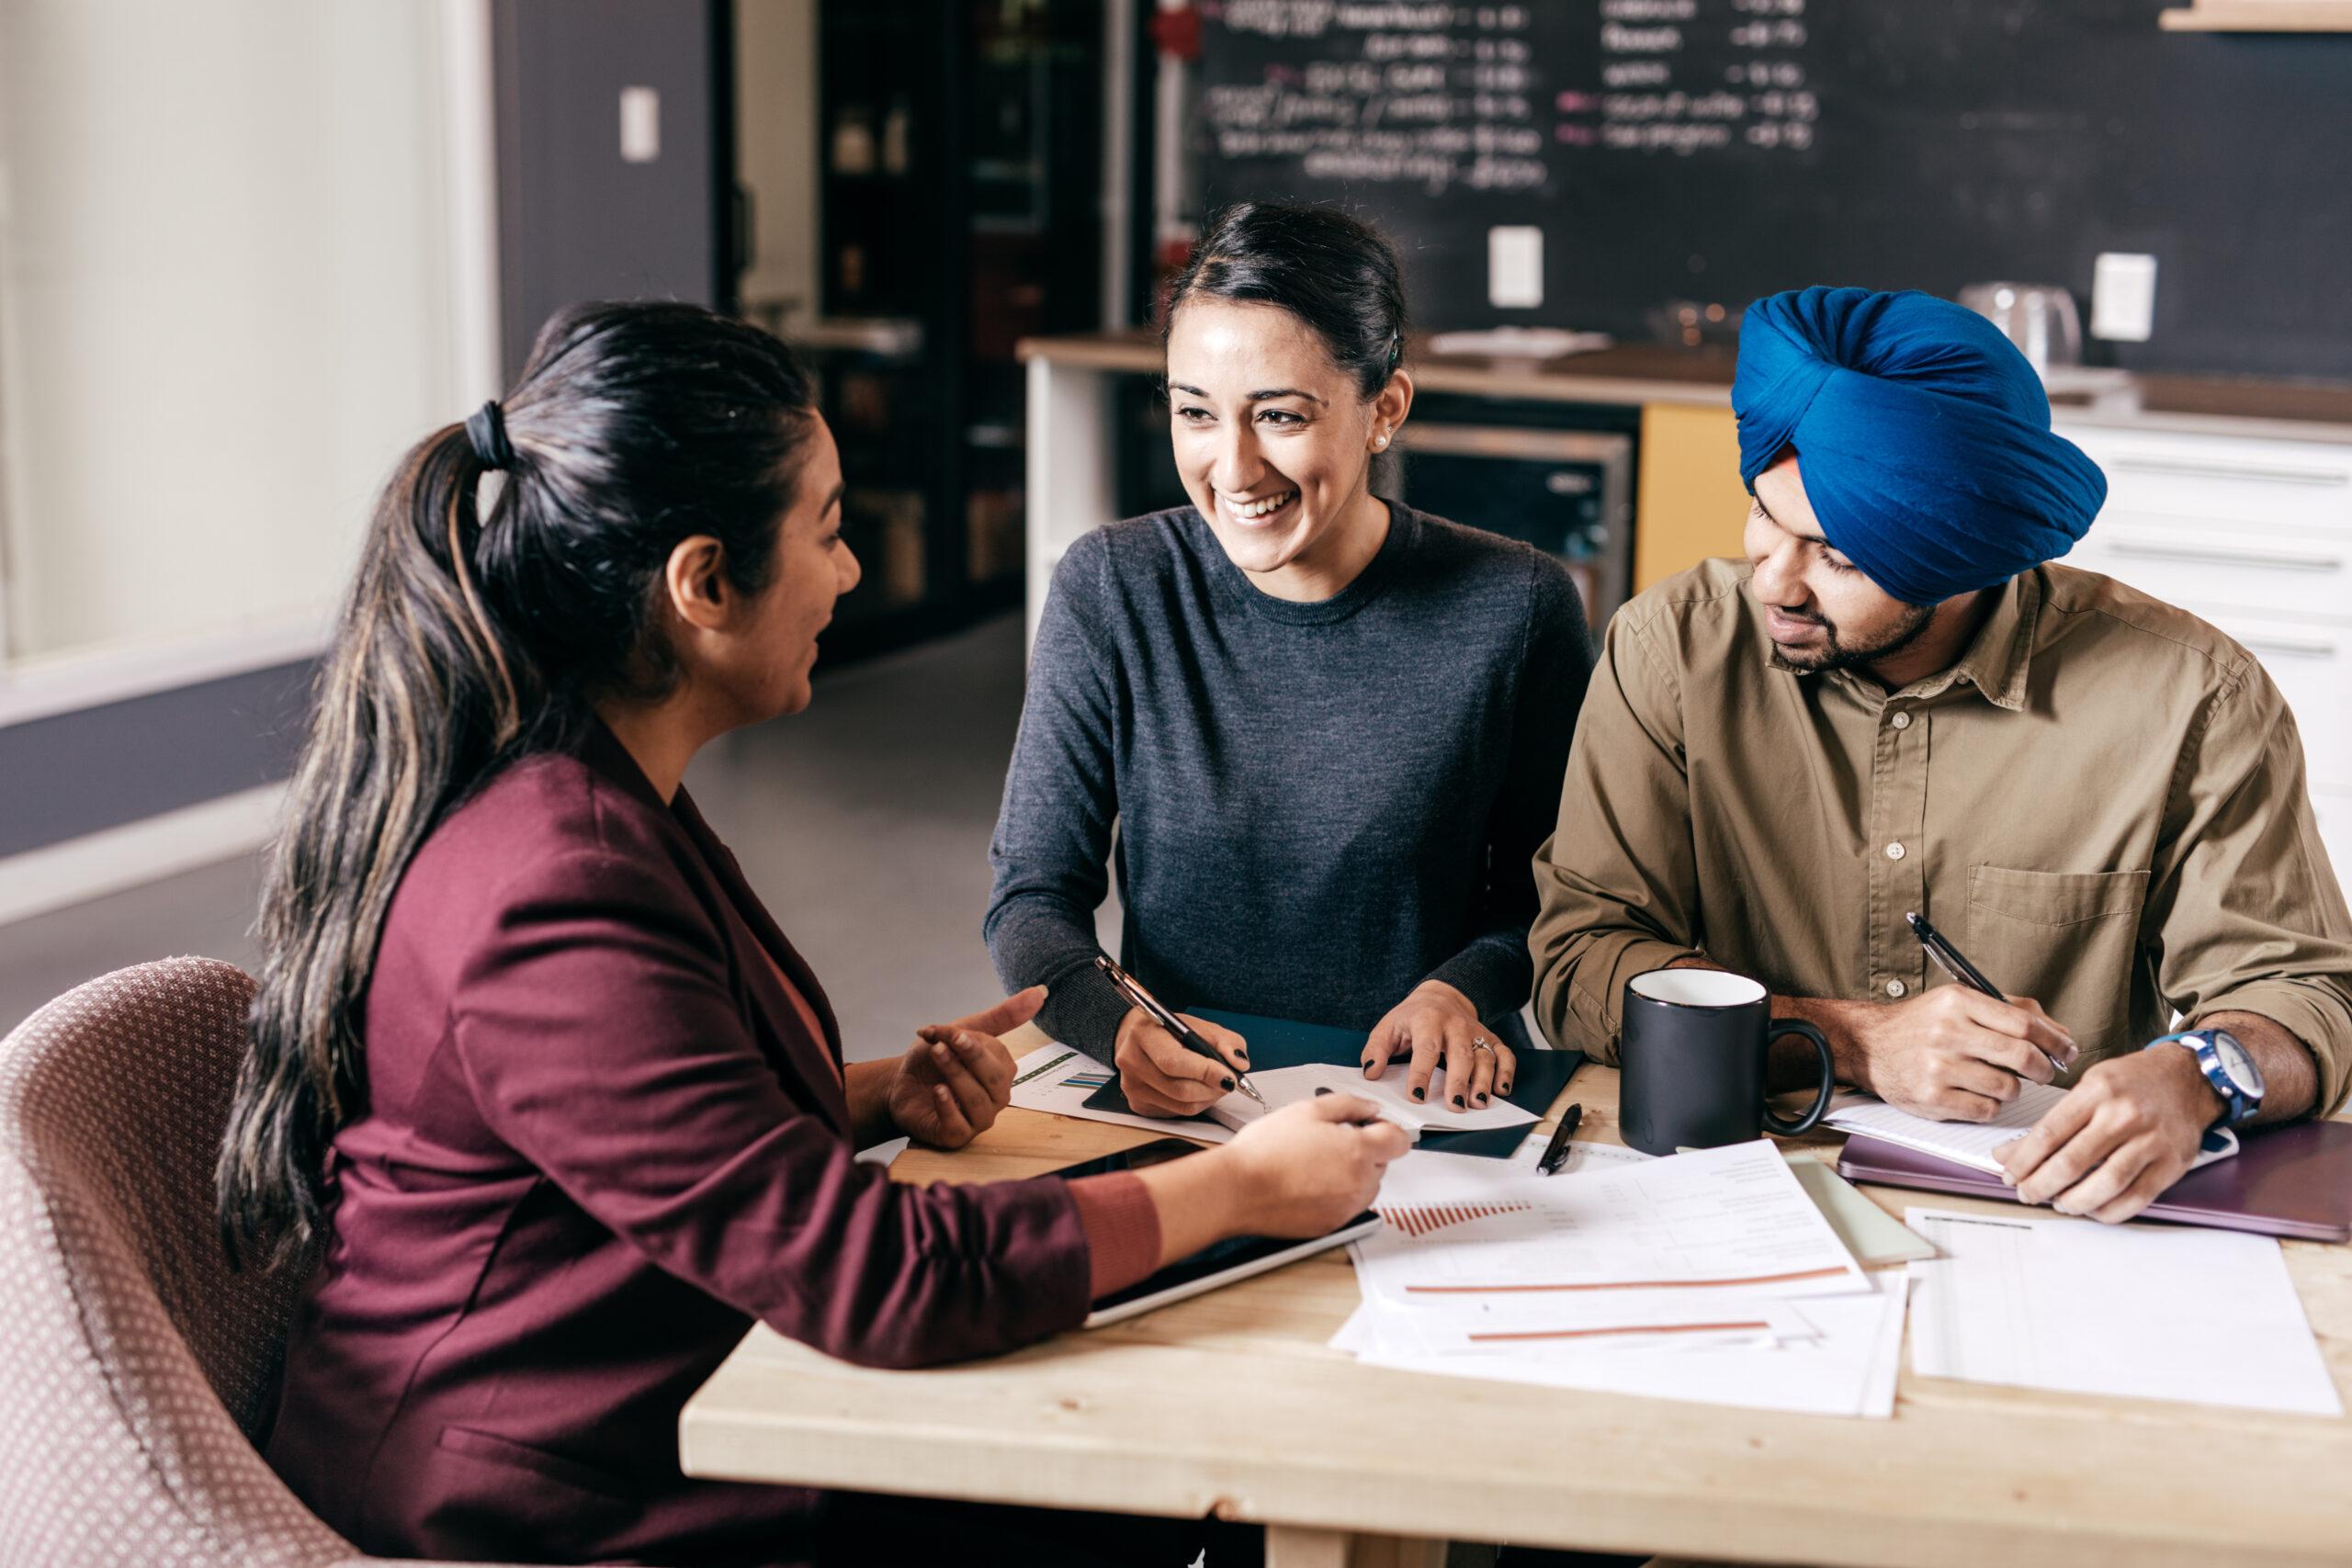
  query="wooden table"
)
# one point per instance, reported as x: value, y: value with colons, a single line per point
x: 1232, y: 1405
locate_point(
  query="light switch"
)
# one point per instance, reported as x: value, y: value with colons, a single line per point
x: 1515, y: 267
x: 2124, y: 296
x: 640, y: 125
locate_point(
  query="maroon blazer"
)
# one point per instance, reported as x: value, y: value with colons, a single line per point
x: 599, y: 1141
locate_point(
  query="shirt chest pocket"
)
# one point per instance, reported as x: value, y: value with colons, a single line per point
x: 2065, y: 938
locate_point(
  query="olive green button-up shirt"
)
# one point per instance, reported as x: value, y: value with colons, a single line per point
x: 2102, y: 805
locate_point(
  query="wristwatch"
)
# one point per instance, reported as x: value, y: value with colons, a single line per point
x: 2228, y: 1066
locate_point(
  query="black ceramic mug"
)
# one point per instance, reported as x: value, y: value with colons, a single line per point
x: 1693, y: 1048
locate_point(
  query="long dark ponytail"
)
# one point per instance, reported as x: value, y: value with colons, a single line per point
x: 471, y: 637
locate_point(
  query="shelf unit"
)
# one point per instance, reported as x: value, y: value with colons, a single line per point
x: 2260, y: 17
x: 958, y: 199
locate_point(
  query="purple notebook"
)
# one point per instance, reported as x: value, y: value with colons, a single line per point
x: 2292, y: 1182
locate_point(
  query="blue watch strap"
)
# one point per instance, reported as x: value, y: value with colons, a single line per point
x: 2200, y: 1042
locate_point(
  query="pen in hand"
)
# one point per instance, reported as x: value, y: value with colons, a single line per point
x: 1948, y: 959
x: 1373, y: 1120
x: 1183, y: 1033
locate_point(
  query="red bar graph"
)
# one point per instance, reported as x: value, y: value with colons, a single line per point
x: 1417, y: 1220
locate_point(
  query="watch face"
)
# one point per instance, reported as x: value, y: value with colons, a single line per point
x: 2238, y: 1063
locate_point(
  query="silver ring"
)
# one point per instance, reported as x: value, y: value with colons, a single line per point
x: 1480, y: 1044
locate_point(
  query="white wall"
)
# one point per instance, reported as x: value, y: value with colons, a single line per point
x: 226, y: 304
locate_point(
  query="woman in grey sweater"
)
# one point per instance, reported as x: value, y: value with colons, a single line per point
x: 1330, y: 730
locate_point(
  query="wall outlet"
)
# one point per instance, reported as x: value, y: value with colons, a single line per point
x: 1515, y: 267
x: 2124, y: 296
x: 640, y: 125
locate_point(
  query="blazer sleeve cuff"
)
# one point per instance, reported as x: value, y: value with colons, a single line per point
x: 1122, y: 1228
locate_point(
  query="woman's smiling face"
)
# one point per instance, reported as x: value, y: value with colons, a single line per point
x: 1275, y: 441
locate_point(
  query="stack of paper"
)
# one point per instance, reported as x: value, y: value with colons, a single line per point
x: 2155, y: 1312
x: 1710, y: 1275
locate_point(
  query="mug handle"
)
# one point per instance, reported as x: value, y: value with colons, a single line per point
x: 1828, y: 1077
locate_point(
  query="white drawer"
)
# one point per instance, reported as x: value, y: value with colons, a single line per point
x: 2222, y: 479
x: 2312, y: 663
x: 2192, y: 562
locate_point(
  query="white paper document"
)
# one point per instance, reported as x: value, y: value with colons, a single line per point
x: 1550, y: 1327
x: 1974, y: 1143
x: 1583, y: 1155
x: 2205, y: 1317
x: 1286, y: 1086
x: 1056, y: 1080
x: 1731, y: 1219
x: 1846, y: 1368
x: 1710, y: 1275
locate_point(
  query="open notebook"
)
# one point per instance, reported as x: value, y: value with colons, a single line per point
x: 1975, y: 1144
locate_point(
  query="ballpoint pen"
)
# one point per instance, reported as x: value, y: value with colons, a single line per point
x: 1377, y: 1116
x: 1948, y: 959
x: 1186, y: 1035
x: 1555, y: 1153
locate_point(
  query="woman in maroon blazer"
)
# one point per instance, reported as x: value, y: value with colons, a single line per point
x: 563, y: 1107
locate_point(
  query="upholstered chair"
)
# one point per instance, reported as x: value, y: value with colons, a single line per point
x: 137, y: 1371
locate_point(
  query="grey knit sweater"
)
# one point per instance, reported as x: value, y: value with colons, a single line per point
x: 1318, y: 806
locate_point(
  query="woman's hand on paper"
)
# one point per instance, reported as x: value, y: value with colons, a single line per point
x: 1954, y: 1054
x: 1311, y: 1166
x: 1159, y: 1078
x: 1436, y: 1026
x: 2124, y: 1133
x: 952, y: 1082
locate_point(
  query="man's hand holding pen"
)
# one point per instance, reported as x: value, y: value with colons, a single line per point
x: 1951, y: 1053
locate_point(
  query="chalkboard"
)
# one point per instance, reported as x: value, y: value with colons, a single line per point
x: 1711, y: 151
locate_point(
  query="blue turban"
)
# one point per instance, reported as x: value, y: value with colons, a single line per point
x: 1923, y: 434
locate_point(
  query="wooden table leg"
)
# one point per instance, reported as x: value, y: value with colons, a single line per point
x: 1296, y: 1546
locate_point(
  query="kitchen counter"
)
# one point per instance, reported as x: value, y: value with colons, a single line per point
x: 1634, y: 374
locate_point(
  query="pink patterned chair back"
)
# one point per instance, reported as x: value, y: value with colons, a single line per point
x: 135, y: 1368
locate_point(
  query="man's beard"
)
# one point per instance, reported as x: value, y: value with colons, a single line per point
x: 1910, y: 629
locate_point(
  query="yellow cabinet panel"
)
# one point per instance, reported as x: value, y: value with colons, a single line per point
x: 1689, y: 501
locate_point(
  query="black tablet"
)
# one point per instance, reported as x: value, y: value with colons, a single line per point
x: 1222, y: 1264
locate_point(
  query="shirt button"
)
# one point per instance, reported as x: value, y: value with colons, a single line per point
x: 1894, y: 851
x: 1901, y: 721
x: 1895, y: 989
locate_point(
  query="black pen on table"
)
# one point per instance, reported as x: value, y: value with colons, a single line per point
x: 1555, y: 1153
x: 1948, y: 959
x: 1185, y: 1034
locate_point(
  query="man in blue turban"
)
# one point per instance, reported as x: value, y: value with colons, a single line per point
x: 1899, y: 703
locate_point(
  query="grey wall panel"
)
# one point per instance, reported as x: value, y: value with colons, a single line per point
x: 576, y: 220
x: 73, y: 773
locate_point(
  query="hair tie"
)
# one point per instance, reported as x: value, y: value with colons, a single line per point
x: 486, y: 429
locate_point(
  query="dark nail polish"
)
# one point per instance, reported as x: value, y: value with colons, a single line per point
x: 1504, y: 1089
x: 1417, y: 1094
x: 1227, y: 1082
x: 1457, y: 1101
x: 1482, y: 1099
